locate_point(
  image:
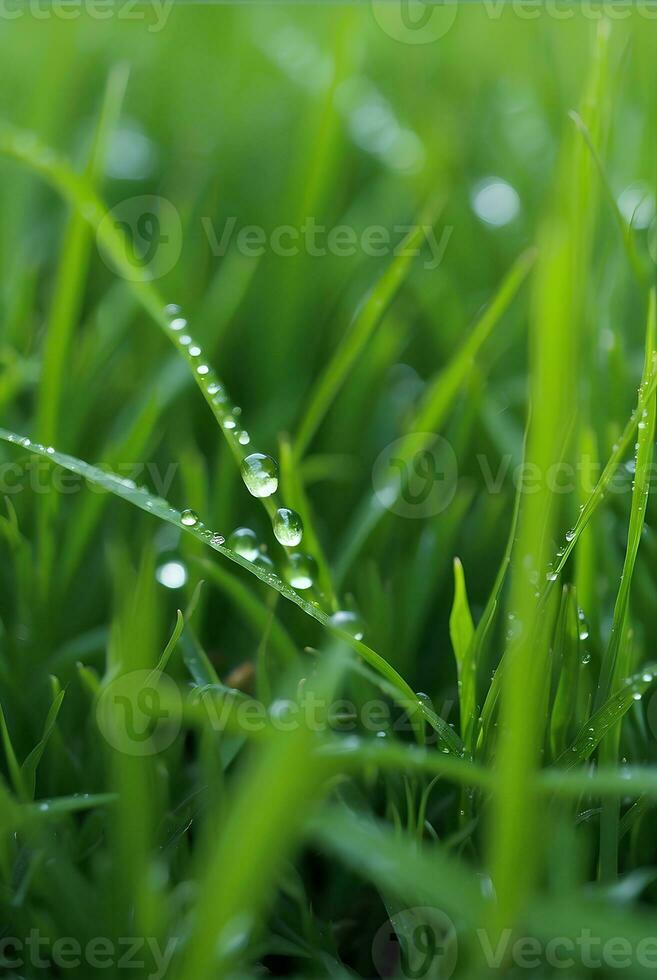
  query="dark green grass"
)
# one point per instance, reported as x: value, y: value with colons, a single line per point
x: 515, y: 799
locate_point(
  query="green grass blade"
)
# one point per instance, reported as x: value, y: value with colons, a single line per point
x: 461, y: 631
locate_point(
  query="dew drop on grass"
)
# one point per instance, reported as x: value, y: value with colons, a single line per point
x: 172, y: 309
x: 244, y: 438
x: 195, y: 351
x: 189, y: 518
x: 300, y: 571
x: 217, y: 539
x: 178, y: 323
x: 260, y: 474
x: 203, y: 369
x: 243, y: 542
x: 264, y: 561
x: 570, y: 535
x: 288, y: 527
x: 229, y: 422
x: 350, y: 622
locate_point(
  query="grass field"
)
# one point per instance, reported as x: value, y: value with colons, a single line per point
x: 327, y: 577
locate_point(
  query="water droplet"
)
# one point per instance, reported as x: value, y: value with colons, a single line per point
x: 172, y: 574
x: 264, y: 561
x: 288, y: 527
x: 636, y: 696
x: 203, y: 369
x: 243, y: 542
x: 194, y: 350
x: 189, y: 518
x: 172, y: 309
x: 214, y: 387
x: 244, y: 438
x: 300, y: 571
x: 217, y: 539
x: 260, y: 474
x: 350, y: 622
x: 179, y: 323
x: 570, y: 535
x: 229, y: 422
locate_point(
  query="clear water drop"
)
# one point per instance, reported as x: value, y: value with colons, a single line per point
x: 350, y: 622
x: 300, y: 571
x: 244, y: 438
x: 288, y: 527
x: 203, y: 369
x: 178, y: 323
x: 217, y: 539
x: 260, y: 474
x: 194, y: 350
x: 189, y: 518
x: 244, y: 542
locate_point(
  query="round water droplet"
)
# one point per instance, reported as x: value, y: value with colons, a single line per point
x: 229, y: 422
x: 300, y: 571
x: 570, y: 535
x: 217, y: 539
x: 244, y: 438
x: 260, y: 474
x: 178, y: 323
x: 172, y: 309
x: 288, y: 527
x: 350, y: 622
x: 637, y: 696
x: 243, y: 542
x: 202, y: 369
x: 194, y: 350
x: 189, y: 518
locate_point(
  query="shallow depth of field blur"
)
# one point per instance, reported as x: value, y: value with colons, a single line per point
x: 470, y: 608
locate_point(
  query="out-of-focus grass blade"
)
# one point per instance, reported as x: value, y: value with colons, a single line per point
x: 365, y: 322
x: 244, y: 856
x: 66, y: 305
x: 254, y: 611
x: 461, y: 631
x: 514, y: 826
x: 416, y: 875
x: 158, y: 507
x: 431, y: 414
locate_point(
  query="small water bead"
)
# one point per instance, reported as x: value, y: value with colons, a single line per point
x: 203, y: 369
x: 217, y: 539
x: 260, y: 474
x: 288, y: 527
x: 189, y: 518
x: 244, y: 438
x: 179, y: 323
x: 194, y: 350
x: 172, y: 309
x: 184, y: 340
x: 570, y: 535
x: 230, y: 423
x: 350, y: 622
x: 300, y: 571
x: 243, y: 542
x: 213, y: 388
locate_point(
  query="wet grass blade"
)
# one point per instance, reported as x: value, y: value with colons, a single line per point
x: 461, y: 631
